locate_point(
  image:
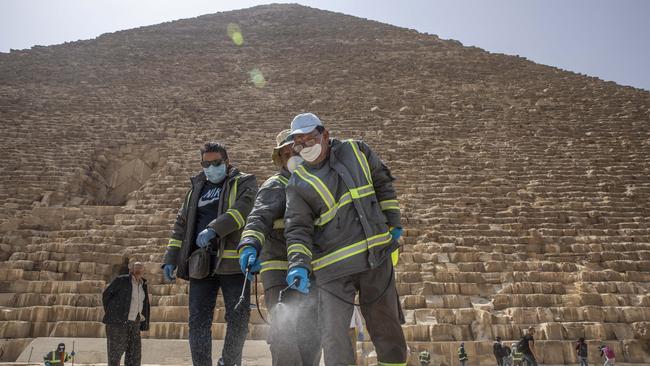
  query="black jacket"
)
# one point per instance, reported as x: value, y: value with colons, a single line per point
x: 265, y: 229
x: 237, y: 197
x: 117, y: 301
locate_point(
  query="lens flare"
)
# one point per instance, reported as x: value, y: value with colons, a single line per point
x: 257, y: 78
x: 235, y: 34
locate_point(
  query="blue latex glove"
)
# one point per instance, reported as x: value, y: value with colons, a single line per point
x: 396, y: 233
x: 168, y: 270
x: 203, y: 240
x: 302, y: 276
x: 248, y: 259
x: 360, y: 337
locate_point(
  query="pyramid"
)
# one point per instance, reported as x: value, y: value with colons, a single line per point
x: 524, y: 188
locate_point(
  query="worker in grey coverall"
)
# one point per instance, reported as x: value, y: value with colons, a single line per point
x: 342, y: 224
x: 294, y: 340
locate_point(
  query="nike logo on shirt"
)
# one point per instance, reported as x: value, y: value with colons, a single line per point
x: 210, y: 196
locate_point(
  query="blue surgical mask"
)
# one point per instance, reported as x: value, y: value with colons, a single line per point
x: 215, y: 174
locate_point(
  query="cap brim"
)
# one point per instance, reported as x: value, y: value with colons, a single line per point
x: 275, y: 156
x: 304, y: 130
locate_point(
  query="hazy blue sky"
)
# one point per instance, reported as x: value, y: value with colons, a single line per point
x: 607, y: 39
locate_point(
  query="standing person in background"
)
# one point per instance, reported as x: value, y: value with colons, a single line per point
x: 58, y: 357
x: 126, y: 314
x: 607, y: 353
x: 463, y: 358
x: 527, y: 346
x: 581, y: 351
x: 497, y: 350
x: 516, y: 356
x: 356, y: 332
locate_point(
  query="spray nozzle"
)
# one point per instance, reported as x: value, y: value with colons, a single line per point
x: 294, y: 282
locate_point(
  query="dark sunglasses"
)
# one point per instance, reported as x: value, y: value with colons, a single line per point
x: 206, y: 164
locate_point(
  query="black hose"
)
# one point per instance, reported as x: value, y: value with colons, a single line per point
x: 257, y: 303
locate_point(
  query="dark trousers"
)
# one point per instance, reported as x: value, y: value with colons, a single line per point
x: 530, y: 359
x: 203, y: 298
x: 294, y: 336
x: 382, y: 316
x: 123, y: 338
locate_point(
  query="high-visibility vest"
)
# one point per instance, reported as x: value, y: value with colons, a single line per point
x: 462, y: 355
x: 354, y: 193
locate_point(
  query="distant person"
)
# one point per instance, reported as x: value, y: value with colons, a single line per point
x: 425, y: 358
x: 126, y: 314
x: 356, y: 331
x: 581, y: 351
x: 607, y: 353
x: 497, y: 350
x: 58, y: 357
x: 506, y: 355
x: 516, y: 356
x: 203, y: 250
x: 463, y: 358
x: 527, y: 347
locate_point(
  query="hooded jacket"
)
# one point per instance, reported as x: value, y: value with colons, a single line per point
x: 339, y: 213
x: 238, y: 194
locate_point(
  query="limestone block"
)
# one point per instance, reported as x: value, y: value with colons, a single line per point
x: 636, y: 351
x: 418, y: 332
x: 78, y: 329
x: 10, y: 349
x: 551, y: 352
x: 413, y: 302
x: 621, y: 331
x: 15, y: 329
x: 551, y: 331
x: 449, y: 332
x: 169, y: 314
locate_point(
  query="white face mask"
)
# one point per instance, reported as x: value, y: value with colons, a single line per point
x: 310, y: 154
x: 293, y: 163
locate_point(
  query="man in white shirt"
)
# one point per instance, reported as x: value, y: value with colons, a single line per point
x: 126, y: 313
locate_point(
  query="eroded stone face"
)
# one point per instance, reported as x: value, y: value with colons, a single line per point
x: 523, y: 188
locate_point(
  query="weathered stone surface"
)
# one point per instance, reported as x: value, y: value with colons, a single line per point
x: 523, y: 193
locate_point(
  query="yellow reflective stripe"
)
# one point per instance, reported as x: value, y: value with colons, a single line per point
x: 318, y: 185
x: 230, y: 254
x: 362, y: 191
x: 187, y: 198
x: 331, y: 213
x: 362, y: 161
x: 281, y: 179
x: 278, y: 224
x: 237, y: 216
x: 233, y: 193
x: 174, y: 243
x: 352, y: 249
x: 256, y: 234
x: 274, y: 266
x: 392, y: 364
x: 389, y: 205
x: 298, y: 248
x: 346, y: 198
